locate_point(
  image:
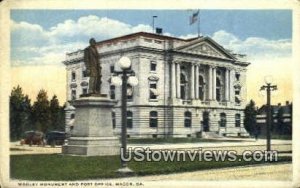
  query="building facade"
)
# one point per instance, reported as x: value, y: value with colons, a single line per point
x: 281, y: 119
x: 187, y: 87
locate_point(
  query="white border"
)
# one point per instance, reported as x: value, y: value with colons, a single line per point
x: 7, y: 5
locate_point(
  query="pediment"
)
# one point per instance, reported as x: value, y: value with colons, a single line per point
x: 205, y: 46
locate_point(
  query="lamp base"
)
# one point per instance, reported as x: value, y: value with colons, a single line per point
x: 125, y: 171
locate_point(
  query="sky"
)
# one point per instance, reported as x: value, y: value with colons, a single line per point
x: 41, y: 38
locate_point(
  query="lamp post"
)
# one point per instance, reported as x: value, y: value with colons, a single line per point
x: 128, y: 76
x: 269, y: 88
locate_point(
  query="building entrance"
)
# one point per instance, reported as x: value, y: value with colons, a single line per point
x: 205, y: 122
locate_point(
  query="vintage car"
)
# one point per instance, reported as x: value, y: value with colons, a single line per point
x: 56, y: 138
x: 33, y: 138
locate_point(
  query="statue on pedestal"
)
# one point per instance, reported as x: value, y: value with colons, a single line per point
x: 93, y: 67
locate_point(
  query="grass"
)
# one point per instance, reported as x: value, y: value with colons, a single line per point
x: 62, y: 167
x: 174, y: 140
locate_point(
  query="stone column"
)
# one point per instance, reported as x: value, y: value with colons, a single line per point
x: 193, y: 81
x: 210, y: 84
x: 197, y: 82
x: 214, y: 76
x: 178, y: 80
x: 231, y: 90
x: 173, y: 80
x: 227, y: 88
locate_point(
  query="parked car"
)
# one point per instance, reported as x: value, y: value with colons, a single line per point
x: 33, y: 138
x: 55, y: 138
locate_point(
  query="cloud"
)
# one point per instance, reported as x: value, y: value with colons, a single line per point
x: 34, y: 45
x: 254, y: 47
x: 267, y: 57
x: 27, y: 34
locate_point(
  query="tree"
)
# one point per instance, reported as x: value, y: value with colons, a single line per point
x: 56, y: 115
x: 250, y: 118
x: 41, y: 112
x: 20, y: 113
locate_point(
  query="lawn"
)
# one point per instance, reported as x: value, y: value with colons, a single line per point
x: 62, y: 167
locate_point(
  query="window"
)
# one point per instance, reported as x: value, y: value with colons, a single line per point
x: 129, y: 92
x: 84, y: 74
x: 201, y: 88
x: 73, y: 94
x: 113, y: 116
x: 153, y: 66
x: 112, y: 69
x: 187, y: 119
x: 72, y: 116
x: 237, y: 76
x: 237, y: 100
x: 129, y: 119
x: 153, y: 119
x: 153, y: 90
x: 84, y: 90
x: 73, y: 76
x: 183, y: 84
x: 237, y: 120
x: 112, y: 92
x: 237, y: 92
x: 222, y: 120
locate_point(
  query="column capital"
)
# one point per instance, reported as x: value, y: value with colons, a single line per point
x: 213, y: 66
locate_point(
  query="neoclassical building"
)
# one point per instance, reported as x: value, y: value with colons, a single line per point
x: 187, y: 87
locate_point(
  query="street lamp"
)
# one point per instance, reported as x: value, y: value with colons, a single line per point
x: 128, y: 76
x: 269, y: 87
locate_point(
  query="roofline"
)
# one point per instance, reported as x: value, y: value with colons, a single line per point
x: 145, y: 34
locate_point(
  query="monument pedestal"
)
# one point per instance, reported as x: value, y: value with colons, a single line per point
x: 93, y: 132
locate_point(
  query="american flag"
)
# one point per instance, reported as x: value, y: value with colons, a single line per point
x: 194, y: 17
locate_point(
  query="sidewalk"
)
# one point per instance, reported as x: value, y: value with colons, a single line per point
x: 239, y: 143
x: 278, y: 172
x: 239, y: 146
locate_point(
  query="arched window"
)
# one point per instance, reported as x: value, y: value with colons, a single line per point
x: 218, y: 90
x: 222, y: 120
x: 237, y: 120
x: 187, y: 119
x: 183, y: 82
x: 113, y: 117
x: 153, y: 119
x: 201, y: 88
x: 129, y: 119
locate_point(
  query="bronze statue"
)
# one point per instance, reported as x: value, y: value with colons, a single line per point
x: 93, y: 67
